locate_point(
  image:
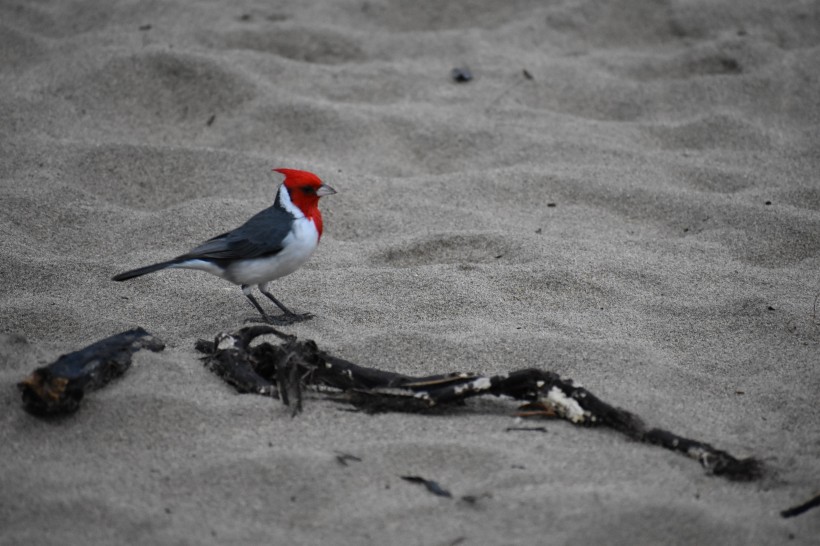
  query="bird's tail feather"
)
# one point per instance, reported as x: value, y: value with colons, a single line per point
x: 140, y: 271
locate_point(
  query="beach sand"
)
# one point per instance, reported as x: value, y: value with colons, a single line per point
x: 626, y: 193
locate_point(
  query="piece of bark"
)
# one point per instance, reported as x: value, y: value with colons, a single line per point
x: 59, y: 387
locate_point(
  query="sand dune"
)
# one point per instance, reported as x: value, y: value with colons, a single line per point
x: 626, y: 193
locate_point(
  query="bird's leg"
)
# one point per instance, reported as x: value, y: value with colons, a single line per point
x: 290, y: 316
x: 277, y: 302
x: 246, y: 289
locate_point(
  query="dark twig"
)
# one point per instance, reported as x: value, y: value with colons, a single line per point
x: 525, y: 429
x: 432, y: 487
x: 801, y: 508
x: 527, y: 77
x: 342, y: 458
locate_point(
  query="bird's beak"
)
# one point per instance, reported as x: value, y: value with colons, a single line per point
x: 324, y: 189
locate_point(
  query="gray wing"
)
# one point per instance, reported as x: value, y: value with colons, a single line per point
x: 262, y: 235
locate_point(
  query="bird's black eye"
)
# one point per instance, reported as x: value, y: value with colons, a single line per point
x: 309, y: 190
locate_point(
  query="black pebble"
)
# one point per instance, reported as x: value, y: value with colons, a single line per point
x: 461, y: 75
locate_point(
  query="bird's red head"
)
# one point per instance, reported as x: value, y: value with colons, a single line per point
x: 305, y: 189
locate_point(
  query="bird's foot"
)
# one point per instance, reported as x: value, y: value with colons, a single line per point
x: 281, y: 320
x: 290, y: 318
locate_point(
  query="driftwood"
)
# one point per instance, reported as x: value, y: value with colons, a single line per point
x: 59, y: 387
x: 284, y: 370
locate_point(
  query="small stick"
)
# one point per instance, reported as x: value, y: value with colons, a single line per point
x: 432, y: 487
x: 801, y: 508
x: 516, y: 83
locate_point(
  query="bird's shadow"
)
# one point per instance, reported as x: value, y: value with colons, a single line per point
x: 279, y: 320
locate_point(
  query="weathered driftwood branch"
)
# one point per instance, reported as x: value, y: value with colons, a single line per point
x: 293, y: 364
x: 59, y: 387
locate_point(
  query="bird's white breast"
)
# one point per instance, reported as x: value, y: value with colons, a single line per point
x: 298, y: 247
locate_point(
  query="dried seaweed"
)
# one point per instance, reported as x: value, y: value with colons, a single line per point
x: 293, y: 365
x: 59, y: 387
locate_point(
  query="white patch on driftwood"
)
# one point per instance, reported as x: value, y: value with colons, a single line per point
x: 397, y: 391
x: 226, y: 341
x: 567, y: 407
x: 480, y: 384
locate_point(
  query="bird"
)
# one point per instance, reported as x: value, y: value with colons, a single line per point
x: 271, y: 244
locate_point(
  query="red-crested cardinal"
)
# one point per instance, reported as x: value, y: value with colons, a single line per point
x: 272, y: 244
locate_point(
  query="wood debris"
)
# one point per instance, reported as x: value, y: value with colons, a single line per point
x: 293, y: 365
x: 59, y: 387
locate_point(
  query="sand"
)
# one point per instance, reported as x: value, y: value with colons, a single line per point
x: 626, y: 193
